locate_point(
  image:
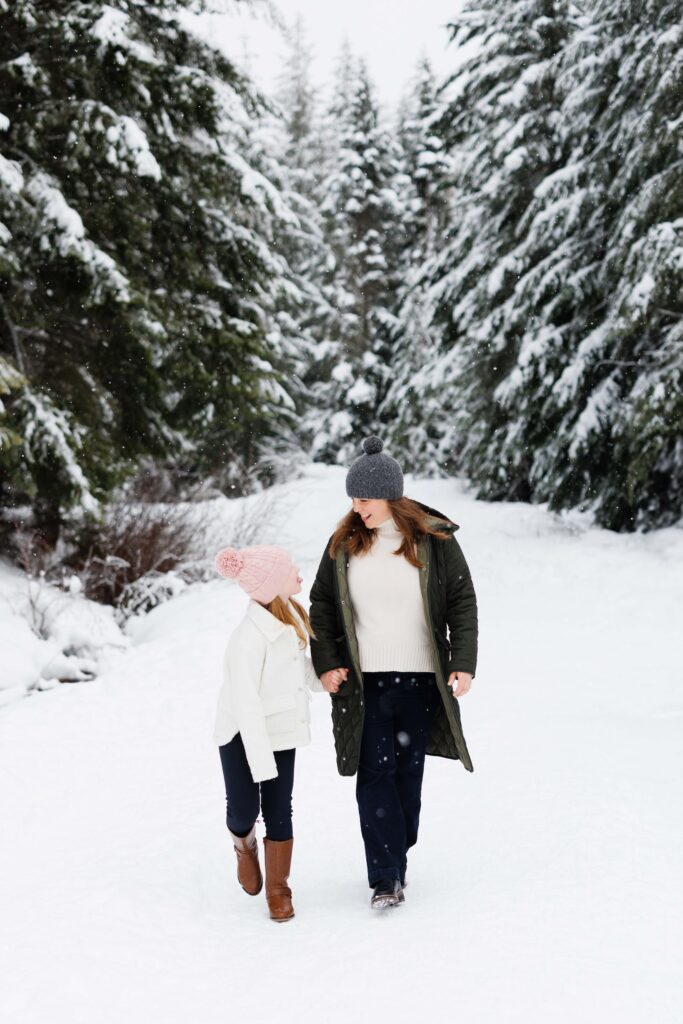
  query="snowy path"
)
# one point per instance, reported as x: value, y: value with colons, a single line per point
x: 547, y: 886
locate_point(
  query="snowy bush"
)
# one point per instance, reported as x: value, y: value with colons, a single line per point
x: 50, y: 633
x: 141, y: 554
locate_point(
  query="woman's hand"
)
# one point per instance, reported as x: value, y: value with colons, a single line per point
x: 333, y: 679
x: 460, y: 682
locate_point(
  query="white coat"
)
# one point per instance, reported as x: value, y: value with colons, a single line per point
x: 265, y: 692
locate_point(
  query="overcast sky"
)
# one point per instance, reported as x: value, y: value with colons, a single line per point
x: 390, y: 34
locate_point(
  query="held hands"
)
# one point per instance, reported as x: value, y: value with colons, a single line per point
x: 333, y: 679
x: 460, y: 683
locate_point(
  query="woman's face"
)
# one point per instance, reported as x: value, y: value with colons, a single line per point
x: 373, y: 511
x: 292, y: 584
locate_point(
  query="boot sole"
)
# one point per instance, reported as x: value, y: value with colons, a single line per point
x: 382, y: 902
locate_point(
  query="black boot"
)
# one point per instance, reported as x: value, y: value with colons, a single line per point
x: 387, y: 893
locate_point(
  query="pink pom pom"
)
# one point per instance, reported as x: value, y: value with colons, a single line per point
x: 229, y: 562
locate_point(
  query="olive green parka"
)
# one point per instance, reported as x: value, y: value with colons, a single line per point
x: 450, y: 610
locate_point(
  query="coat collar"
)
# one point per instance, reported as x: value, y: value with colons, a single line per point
x: 448, y: 527
x: 267, y: 623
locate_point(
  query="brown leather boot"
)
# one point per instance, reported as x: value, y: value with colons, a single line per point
x: 278, y: 893
x: 248, y: 868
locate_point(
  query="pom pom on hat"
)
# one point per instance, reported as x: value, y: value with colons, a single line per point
x: 374, y: 474
x: 373, y: 445
x: 229, y: 562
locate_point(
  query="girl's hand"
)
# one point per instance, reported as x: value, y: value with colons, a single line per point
x: 333, y: 679
x: 460, y: 683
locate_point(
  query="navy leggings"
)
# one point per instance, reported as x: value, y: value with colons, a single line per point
x: 245, y: 798
x: 399, y: 713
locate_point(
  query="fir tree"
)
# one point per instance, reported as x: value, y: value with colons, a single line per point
x: 139, y: 274
x: 10, y: 380
x: 426, y: 166
x: 297, y: 156
x: 499, y: 121
x: 561, y: 301
x: 619, y: 399
x: 363, y: 227
x: 412, y: 413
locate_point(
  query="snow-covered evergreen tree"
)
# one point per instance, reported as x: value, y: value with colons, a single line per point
x: 293, y: 140
x: 557, y: 297
x: 426, y: 166
x: 412, y: 413
x: 499, y: 120
x: 10, y: 379
x: 364, y: 228
x: 137, y: 227
x: 190, y: 272
x: 618, y: 402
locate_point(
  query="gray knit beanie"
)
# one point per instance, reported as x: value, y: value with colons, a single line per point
x: 374, y: 474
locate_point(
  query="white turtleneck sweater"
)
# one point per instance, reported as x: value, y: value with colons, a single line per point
x: 387, y: 607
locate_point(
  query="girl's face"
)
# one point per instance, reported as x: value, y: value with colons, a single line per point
x: 292, y: 585
x: 373, y: 511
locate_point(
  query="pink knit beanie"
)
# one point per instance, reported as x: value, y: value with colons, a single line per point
x: 261, y: 570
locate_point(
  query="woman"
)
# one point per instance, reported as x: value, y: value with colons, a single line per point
x: 263, y: 716
x: 394, y: 618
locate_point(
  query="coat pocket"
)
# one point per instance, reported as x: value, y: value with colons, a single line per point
x: 441, y: 639
x: 280, y: 712
x: 444, y: 649
x: 277, y: 702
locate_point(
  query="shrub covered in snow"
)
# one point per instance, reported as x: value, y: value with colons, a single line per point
x: 50, y: 633
x: 140, y: 553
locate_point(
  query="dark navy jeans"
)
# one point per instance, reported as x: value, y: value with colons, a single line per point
x: 399, y: 712
x: 245, y: 798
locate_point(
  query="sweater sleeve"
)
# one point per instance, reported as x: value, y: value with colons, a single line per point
x: 242, y: 665
x: 461, y: 611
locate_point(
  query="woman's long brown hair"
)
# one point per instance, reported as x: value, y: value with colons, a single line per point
x: 282, y: 610
x: 411, y: 520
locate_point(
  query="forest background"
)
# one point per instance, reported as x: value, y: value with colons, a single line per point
x: 203, y: 287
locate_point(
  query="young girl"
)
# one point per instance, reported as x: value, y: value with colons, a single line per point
x: 263, y: 715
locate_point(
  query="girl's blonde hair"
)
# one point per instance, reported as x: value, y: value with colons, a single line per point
x: 285, y: 612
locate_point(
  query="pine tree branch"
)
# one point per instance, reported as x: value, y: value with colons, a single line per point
x: 628, y: 362
x: 18, y: 351
x: 20, y: 155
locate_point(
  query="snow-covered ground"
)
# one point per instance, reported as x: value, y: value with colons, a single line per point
x: 50, y: 634
x: 546, y: 887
